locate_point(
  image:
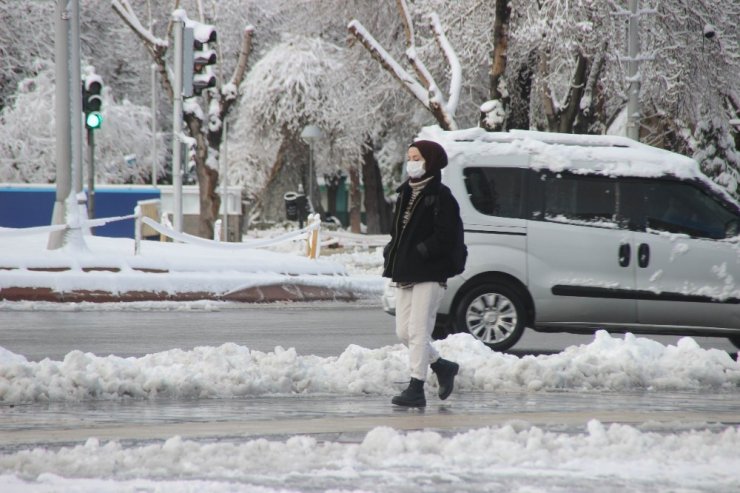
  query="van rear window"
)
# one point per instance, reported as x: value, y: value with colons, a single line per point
x: 496, y: 191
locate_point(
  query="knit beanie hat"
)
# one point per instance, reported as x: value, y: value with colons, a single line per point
x: 434, y: 156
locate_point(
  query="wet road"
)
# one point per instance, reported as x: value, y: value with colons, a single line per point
x: 323, y: 329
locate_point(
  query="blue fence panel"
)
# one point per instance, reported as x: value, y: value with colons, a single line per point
x: 27, y: 206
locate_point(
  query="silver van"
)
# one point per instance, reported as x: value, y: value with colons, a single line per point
x: 577, y: 233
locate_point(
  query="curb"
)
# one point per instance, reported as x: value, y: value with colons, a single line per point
x: 256, y: 294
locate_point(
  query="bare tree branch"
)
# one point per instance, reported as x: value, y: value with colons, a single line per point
x: 244, y: 52
x: 429, y: 95
x: 452, y: 60
x: 124, y: 10
x: 388, y: 63
x: 229, y: 93
x: 425, y: 78
x: 157, y: 47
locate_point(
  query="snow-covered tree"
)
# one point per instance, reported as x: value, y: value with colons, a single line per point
x: 205, y: 127
x: 27, y: 151
x: 716, y: 153
x: 692, y: 69
x: 296, y: 83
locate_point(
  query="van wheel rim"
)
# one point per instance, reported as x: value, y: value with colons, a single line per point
x: 491, y: 317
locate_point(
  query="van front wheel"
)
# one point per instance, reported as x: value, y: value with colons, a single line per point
x: 492, y: 313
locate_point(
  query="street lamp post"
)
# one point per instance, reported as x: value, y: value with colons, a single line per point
x: 311, y: 135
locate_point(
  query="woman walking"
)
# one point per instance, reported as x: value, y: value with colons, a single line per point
x: 419, y: 259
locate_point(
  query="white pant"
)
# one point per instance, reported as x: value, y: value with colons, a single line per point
x: 416, y: 310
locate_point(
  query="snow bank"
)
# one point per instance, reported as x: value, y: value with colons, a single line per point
x: 230, y: 370
x: 512, y: 455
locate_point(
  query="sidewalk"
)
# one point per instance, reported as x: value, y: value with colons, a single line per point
x: 346, y: 417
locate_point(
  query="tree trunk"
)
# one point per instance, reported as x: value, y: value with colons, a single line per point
x: 209, y: 199
x: 499, y: 56
x: 521, y: 98
x: 562, y: 118
x: 573, y: 103
x: 378, y: 211
x: 285, y: 176
x: 355, y: 200
x: 592, y: 118
x: 333, y: 182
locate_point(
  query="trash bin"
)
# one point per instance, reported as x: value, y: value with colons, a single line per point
x: 291, y: 206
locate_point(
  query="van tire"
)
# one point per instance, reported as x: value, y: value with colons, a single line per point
x: 493, y: 313
x: 735, y: 340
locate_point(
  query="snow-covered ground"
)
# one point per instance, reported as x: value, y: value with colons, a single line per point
x: 517, y: 456
x: 219, y: 268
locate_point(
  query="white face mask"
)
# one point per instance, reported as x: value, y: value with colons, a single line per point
x: 415, y: 169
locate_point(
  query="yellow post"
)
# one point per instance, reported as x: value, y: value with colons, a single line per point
x: 314, y: 242
x: 309, y: 221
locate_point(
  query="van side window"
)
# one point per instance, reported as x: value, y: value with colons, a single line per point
x: 581, y: 199
x: 495, y: 191
x: 680, y: 207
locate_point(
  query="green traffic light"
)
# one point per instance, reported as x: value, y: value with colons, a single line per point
x: 93, y: 120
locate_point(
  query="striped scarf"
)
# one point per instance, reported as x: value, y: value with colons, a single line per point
x: 416, y: 188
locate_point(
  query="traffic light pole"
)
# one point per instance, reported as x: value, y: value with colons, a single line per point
x: 91, y: 173
x: 63, y: 132
x: 75, y: 82
x: 178, y: 17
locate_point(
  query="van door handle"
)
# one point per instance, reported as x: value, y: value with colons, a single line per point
x: 624, y: 254
x: 643, y: 255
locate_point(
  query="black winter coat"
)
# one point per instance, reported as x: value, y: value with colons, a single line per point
x: 422, y: 251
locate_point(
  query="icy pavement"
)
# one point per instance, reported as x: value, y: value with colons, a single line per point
x: 621, y: 414
x: 478, y: 442
x: 348, y: 418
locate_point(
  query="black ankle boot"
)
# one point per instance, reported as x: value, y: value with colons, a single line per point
x: 413, y: 396
x: 445, y: 371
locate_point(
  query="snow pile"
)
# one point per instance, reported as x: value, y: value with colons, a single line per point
x: 513, y: 455
x: 607, y: 363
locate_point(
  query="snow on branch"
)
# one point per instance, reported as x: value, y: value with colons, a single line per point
x: 123, y: 8
x: 452, y: 60
x: 244, y: 51
x: 388, y: 62
x: 425, y: 78
x: 425, y: 89
x: 409, y: 26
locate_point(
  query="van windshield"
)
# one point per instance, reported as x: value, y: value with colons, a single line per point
x: 679, y: 207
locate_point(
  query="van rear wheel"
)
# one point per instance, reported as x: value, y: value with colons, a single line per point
x: 735, y: 340
x: 493, y: 313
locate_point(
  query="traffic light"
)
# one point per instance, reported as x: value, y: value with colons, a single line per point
x: 197, y: 58
x: 92, y: 100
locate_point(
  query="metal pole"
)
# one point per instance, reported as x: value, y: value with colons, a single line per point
x: 76, y: 97
x: 178, y: 17
x: 154, y: 125
x: 633, y: 103
x: 63, y: 171
x: 225, y: 184
x: 310, y: 175
x: 91, y: 173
